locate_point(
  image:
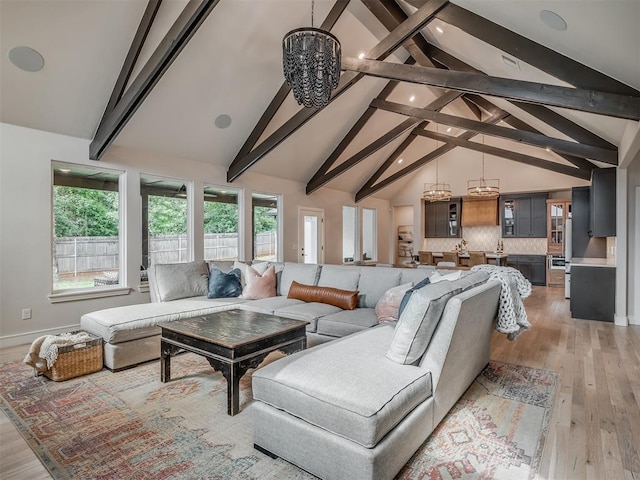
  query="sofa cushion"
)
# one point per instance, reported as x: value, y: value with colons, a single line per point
x: 374, y: 282
x: 309, y: 312
x: 345, y: 299
x: 388, y: 307
x: 420, y: 318
x: 347, y: 387
x: 259, y: 286
x: 338, y: 276
x: 180, y: 280
x: 300, y: 272
x: 346, y: 322
x: 418, y: 321
x: 131, y: 322
x: 269, y: 305
x: 223, y: 265
x: 415, y: 275
x: 224, y: 285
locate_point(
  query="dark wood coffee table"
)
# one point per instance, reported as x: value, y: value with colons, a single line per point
x: 232, y: 341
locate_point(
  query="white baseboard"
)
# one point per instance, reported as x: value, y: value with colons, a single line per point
x: 634, y: 319
x: 621, y: 320
x: 27, y: 338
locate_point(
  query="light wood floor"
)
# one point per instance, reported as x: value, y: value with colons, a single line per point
x: 595, y: 427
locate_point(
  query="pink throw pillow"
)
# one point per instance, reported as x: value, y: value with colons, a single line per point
x: 260, y: 286
x: 389, y: 304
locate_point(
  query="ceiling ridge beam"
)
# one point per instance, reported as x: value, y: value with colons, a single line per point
x: 396, y: 38
x: 542, y: 113
x: 602, y: 103
x: 370, y: 186
x: 533, y: 53
x: 521, y: 136
x: 283, y: 91
x: 379, y: 143
x: 187, y: 24
x: 132, y: 56
x: 510, y: 155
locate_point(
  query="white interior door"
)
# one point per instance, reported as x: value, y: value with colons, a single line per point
x: 310, y: 235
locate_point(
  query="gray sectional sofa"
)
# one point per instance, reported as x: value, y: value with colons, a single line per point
x: 131, y: 335
x: 359, y: 406
x: 344, y: 409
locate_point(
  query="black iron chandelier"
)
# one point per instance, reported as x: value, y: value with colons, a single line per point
x: 311, y: 64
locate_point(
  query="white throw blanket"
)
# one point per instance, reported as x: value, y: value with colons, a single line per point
x: 43, y: 352
x: 512, y: 317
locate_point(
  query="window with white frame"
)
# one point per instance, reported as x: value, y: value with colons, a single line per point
x: 86, y: 227
x: 165, y: 216
x: 265, y: 226
x: 369, y: 234
x: 349, y: 233
x: 221, y: 232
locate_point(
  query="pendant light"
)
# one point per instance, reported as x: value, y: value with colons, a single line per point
x: 483, y: 187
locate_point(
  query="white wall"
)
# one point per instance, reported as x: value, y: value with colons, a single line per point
x: 25, y: 223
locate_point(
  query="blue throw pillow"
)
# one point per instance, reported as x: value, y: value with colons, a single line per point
x: 224, y: 285
x: 407, y: 295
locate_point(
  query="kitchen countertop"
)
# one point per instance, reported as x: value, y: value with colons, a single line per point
x: 466, y: 255
x: 593, y: 262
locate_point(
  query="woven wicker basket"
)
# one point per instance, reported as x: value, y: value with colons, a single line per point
x: 77, y: 359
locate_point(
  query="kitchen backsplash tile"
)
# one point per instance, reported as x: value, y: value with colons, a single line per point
x: 486, y: 239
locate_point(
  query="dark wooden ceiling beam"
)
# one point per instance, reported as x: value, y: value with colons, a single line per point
x: 319, y: 178
x: 134, y: 51
x: 370, y: 186
x: 601, y: 103
x: 522, y: 136
x: 283, y: 91
x: 388, y: 13
x: 536, y: 55
x: 396, y: 38
x: 542, y: 113
x: 510, y: 155
x: 187, y: 24
x: 379, y: 143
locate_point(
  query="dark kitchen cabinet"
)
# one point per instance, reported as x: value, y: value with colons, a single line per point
x: 442, y: 219
x: 602, y: 202
x: 593, y: 290
x: 524, y: 215
x: 533, y: 267
x: 583, y: 245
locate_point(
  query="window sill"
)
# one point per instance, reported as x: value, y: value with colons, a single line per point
x: 75, y: 295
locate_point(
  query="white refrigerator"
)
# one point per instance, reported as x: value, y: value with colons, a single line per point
x: 567, y: 258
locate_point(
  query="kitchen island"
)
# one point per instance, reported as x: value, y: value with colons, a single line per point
x: 593, y: 288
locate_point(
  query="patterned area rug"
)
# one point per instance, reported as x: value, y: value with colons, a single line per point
x: 130, y: 425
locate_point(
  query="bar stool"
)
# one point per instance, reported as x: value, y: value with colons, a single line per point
x: 450, y: 257
x: 477, y: 258
x: 425, y: 258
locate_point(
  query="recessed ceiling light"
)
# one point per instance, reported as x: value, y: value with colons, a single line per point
x: 548, y: 149
x: 439, y: 30
x: 223, y: 121
x: 361, y: 55
x: 26, y: 59
x: 399, y: 160
x: 448, y: 129
x: 412, y: 98
x: 513, y: 63
x: 553, y: 20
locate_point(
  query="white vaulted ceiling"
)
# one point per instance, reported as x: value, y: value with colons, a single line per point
x: 233, y: 66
